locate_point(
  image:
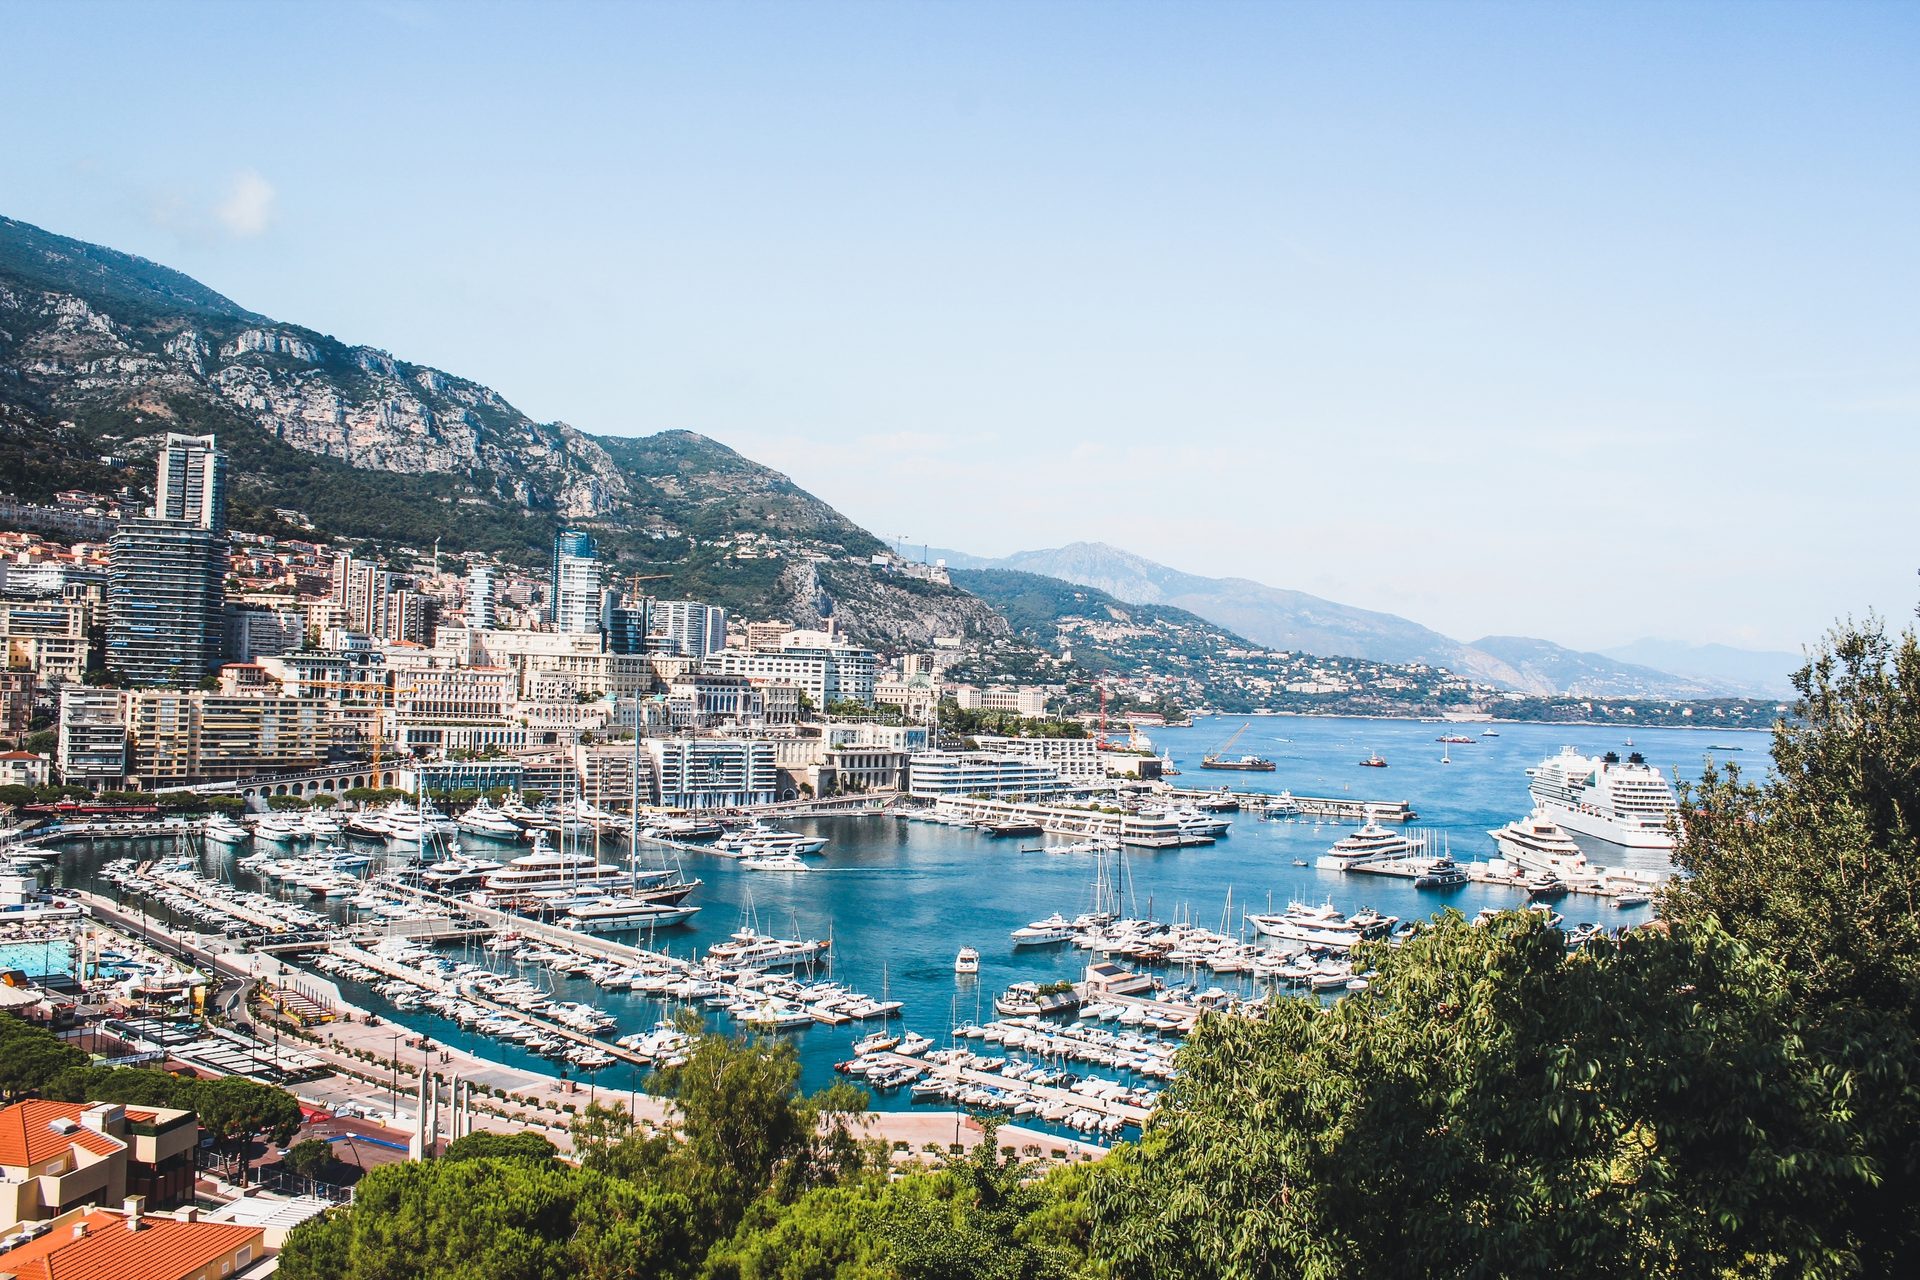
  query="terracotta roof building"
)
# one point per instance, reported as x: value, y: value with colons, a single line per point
x: 56, y: 1156
x: 101, y: 1244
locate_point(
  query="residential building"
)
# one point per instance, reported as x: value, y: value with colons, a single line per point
x: 691, y: 629
x: 574, y: 604
x: 56, y: 1156
x: 767, y: 635
x: 825, y: 673
x: 49, y: 637
x: 24, y: 769
x: 192, y: 482
x: 91, y: 1243
x: 625, y: 624
x: 613, y: 775
x: 932, y: 775
x: 263, y: 632
x: 712, y: 773
x: 1078, y: 759
x: 480, y: 614
x: 93, y: 737
x: 166, y: 586
x: 18, y: 689
x: 179, y: 738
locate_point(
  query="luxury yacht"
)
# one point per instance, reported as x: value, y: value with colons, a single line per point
x: 1371, y: 843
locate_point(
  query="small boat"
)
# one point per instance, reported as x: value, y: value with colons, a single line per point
x: 1626, y: 900
x: 878, y: 1042
x: 1374, y: 761
x: 968, y: 961
x: 1489, y: 733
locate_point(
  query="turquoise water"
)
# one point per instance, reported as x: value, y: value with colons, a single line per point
x: 36, y: 958
x: 899, y: 899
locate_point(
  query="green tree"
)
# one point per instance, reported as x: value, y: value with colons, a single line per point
x: 484, y: 1145
x: 1818, y: 868
x: 310, y: 1158
x: 31, y: 1056
x: 236, y: 1110
x: 1491, y: 1107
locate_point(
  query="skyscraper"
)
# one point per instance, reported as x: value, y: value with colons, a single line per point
x: 480, y: 597
x: 575, y: 604
x: 192, y: 484
x: 166, y: 581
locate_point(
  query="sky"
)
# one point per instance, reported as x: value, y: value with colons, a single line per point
x: 1583, y: 322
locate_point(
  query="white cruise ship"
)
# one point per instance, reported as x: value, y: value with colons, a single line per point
x: 1371, y: 843
x: 1620, y: 805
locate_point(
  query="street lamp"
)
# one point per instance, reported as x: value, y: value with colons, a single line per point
x: 394, y: 1062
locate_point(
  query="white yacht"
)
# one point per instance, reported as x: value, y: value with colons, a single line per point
x: 1537, y: 843
x: 1626, y: 805
x: 615, y: 914
x: 758, y: 839
x: 1372, y: 843
x: 224, y: 830
x: 775, y: 862
x: 453, y: 874
x: 1056, y: 928
x: 1323, y: 926
x: 548, y: 868
x: 278, y: 830
x: 485, y: 820
x: 968, y: 961
x: 320, y: 824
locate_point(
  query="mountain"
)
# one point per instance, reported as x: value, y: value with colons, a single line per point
x: 1588, y: 675
x: 102, y: 352
x: 1295, y: 620
x: 1753, y: 672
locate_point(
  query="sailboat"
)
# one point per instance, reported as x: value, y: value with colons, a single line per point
x: 1217, y: 758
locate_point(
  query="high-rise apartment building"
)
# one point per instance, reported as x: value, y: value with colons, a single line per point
x: 192, y: 482
x: 480, y: 615
x: 575, y: 602
x: 166, y: 580
x: 693, y: 630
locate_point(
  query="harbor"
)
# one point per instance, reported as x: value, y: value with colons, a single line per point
x: 900, y: 899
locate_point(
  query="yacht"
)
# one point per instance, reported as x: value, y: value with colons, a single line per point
x: 968, y: 961
x: 224, y: 830
x: 1323, y: 926
x: 1371, y: 843
x: 278, y: 830
x: 1056, y: 928
x: 454, y: 874
x: 1441, y: 873
x: 485, y: 820
x: 1536, y: 843
x: 1625, y: 805
x: 615, y: 914
x: 759, y: 839
x: 547, y: 868
x: 775, y: 862
x: 320, y: 825
x: 748, y: 949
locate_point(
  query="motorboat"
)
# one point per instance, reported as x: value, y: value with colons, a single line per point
x: 968, y: 961
x: 276, y: 829
x: 620, y: 913
x: 1374, y: 761
x: 1056, y: 928
x: 1441, y: 873
x: 221, y: 829
x: 775, y: 862
x: 1322, y: 926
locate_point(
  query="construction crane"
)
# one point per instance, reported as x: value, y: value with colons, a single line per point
x: 635, y: 580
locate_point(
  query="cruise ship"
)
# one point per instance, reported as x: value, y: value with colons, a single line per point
x: 1372, y: 843
x: 1620, y: 805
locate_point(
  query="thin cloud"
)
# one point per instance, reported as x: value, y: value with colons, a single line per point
x: 246, y: 211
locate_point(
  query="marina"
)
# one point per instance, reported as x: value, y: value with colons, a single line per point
x: 903, y: 897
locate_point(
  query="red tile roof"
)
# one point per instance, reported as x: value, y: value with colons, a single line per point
x: 27, y: 1135
x: 162, y: 1249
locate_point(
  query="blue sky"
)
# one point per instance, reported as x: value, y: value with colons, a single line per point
x: 1579, y: 322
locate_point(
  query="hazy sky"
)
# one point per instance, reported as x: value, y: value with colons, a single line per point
x: 1586, y: 323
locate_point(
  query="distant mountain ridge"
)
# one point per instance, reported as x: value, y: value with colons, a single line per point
x: 1296, y: 620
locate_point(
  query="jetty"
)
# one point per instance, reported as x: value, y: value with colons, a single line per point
x: 1339, y: 808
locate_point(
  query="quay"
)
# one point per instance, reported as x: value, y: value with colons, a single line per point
x: 1342, y: 809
